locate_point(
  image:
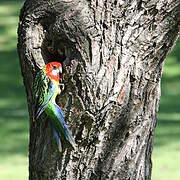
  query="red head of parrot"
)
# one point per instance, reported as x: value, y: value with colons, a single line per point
x: 53, y: 70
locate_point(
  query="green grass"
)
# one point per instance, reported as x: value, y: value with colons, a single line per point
x: 14, y: 117
x: 166, y: 151
x: 13, y: 109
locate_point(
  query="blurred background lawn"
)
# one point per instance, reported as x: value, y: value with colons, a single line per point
x: 14, y: 115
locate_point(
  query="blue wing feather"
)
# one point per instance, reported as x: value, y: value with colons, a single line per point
x: 67, y: 133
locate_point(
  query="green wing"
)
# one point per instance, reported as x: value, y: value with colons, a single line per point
x: 43, y: 90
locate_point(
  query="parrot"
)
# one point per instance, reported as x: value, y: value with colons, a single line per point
x: 46, y: 87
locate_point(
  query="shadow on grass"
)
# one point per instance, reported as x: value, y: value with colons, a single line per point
x: 3, y: 29
x: 168, y: 125
x: 167, y: 132
x: 167, y: 79
x: 170, y: 104
x: 13, y: 110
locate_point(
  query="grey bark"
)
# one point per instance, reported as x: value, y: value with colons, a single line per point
x: 114, y: 51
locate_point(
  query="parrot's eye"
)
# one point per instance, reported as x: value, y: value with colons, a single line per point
x: 54, y: 67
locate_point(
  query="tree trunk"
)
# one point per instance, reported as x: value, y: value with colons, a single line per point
x: 113, y: 53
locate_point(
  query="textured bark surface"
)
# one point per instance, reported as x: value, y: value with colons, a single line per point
x: 114, y: 55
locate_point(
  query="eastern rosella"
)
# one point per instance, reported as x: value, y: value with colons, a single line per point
x: 46, y: 88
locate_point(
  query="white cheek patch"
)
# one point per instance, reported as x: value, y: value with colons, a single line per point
x: 55, y: 72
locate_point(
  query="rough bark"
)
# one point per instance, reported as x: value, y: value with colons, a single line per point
x: 114, y: 53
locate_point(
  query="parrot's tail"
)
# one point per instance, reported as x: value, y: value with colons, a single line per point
x: 64, y: 130
x: 58, y: 140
